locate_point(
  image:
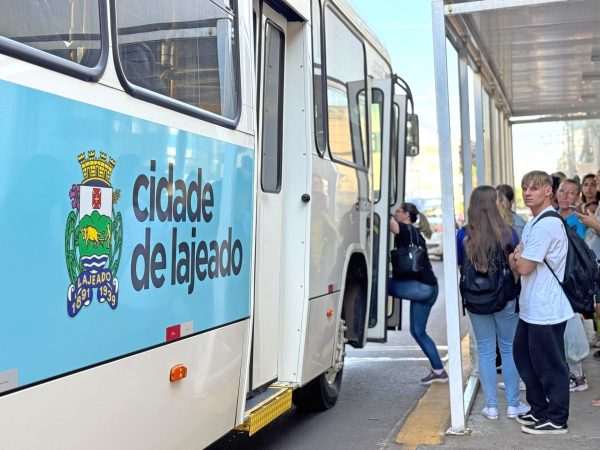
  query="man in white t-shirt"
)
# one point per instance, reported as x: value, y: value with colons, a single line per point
x: 538, y: 346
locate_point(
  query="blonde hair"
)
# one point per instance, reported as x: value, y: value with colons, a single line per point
x: 504, y: 207
x: 415, y: 215
x: 538, y: 178
x: 485, y: 228
x: 573, y: 182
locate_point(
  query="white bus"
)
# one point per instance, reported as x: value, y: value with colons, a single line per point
x: 195, y: 200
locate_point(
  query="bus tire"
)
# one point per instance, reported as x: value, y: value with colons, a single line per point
x: 322, y: 393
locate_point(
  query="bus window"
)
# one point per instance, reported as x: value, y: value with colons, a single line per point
x: 345, y: 74
x: 394, y: 154
x: 272, y: 109
x: 318, y: 91
x: 376, y: 140
x: 362, y: 129
x: 64, y: 28
x: 180, y: 50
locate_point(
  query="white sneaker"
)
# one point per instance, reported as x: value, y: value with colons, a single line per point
x: 521, y: 386
x: 578, y: 384
x: 490, y: 412
x: 513, y: 411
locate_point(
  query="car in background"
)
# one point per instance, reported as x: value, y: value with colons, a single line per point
x: 434, y: 243
x: 435, y: 246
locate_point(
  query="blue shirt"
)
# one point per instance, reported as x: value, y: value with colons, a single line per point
x: 518, y: 224
x: 574, y: 223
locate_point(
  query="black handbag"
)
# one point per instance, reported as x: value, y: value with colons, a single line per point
x: 408, y: 260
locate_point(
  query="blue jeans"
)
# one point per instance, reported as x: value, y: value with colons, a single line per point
x: 422, y: 297
x: 488, y: 328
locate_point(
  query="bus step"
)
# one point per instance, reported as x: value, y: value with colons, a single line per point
x: 268, y: 410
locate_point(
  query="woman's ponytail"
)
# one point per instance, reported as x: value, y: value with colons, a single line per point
x: 424, y: 225
x: 415, y: 215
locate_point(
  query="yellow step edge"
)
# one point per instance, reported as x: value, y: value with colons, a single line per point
x: 428, y: 421
x: 268, y: 410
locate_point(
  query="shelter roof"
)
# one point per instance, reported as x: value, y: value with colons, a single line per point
x: 541, y: 58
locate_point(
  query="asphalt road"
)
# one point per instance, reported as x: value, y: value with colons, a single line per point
x: 380, y: 387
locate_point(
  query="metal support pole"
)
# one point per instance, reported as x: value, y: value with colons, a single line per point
x: 496, y: 150
x: 487, y: 136
x: 512, y: 158
x: 467, y: 174
x: 479, y: 144
x: 457, y: 409
x: 504, y: 149
x: 465, y: 127
x: 500, y: 141
x: 508, y: 149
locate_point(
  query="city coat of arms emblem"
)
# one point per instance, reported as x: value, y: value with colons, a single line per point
x: 93, y: 236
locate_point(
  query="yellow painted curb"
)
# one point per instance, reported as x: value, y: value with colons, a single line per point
x: 427, y: 423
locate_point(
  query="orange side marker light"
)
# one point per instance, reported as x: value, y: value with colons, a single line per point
x: 329, y: 313
x: 179, y: 372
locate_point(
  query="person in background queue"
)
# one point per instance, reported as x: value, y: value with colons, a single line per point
x: 538, y: 346
x: 589, y: 189
x: 507, y: 194
x: 420, y: 288
x: 567, y: 196
x: 591, y: 219
x: 557, y: 178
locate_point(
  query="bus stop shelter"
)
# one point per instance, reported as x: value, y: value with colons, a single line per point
x: 532, y: 60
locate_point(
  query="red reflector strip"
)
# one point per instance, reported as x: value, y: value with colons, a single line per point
x: 330, y: 288
x: 173, y: 332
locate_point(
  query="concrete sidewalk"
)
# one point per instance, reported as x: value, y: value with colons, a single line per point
x: 504, y: 433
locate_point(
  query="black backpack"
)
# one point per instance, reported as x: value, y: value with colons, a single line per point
x: 487, y: 292
x: 582, y: 276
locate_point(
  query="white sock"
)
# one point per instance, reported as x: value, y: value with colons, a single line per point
x: 438, y: 371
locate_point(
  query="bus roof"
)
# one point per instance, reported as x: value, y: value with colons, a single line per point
x: 363, y: 28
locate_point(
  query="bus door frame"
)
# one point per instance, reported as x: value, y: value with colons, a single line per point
x: 394, y: 305
x: 377, y: 331
x: 269, y: 218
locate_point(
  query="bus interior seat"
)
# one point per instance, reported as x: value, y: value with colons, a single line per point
x: 140, y: 68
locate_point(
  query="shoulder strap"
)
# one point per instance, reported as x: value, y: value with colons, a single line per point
x: 558, y: 216
x: 410, y: 234
x: 500, y: 257
x: 549, y: 214
x: 548, y: 266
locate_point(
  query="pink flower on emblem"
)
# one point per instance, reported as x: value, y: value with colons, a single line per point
x: 74, y: 196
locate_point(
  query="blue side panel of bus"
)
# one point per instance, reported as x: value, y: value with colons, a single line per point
x: 45, y: 140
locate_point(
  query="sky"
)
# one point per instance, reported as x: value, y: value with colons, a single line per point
x: 537, y: 145
x: 404, y: 28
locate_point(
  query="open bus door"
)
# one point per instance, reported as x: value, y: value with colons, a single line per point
x: 405, y: 142
x: 358, y: 99
x: 398, y: 170
x: 382, y: 149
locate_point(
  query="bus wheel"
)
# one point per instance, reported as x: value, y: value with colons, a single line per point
x: 322, y: 392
